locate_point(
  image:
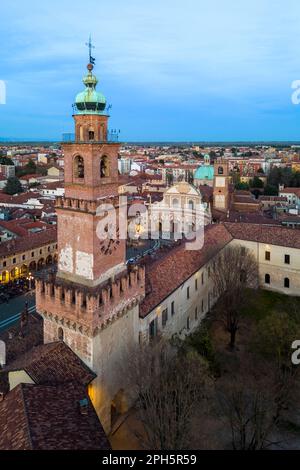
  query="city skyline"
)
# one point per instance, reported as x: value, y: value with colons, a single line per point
x: 173, y: 72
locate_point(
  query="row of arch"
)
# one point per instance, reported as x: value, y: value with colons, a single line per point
x: 286, y: 281
x: 190, y: 204
x: 25, y: 269
x: 79, y: 170
x: 88, y: 133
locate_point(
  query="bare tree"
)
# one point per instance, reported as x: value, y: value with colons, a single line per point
x: 249, y: 408
x: 274, y: 337
x: 169, y: 388
x: 234, y: 271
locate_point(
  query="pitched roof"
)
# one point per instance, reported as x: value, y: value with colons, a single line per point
x: 269, y: 234
x: 43, y: 417
x: 53, y: 363
x: 31, y: 241
x: 167, y: 273
x: 290, y: 191
x: 22, y: 227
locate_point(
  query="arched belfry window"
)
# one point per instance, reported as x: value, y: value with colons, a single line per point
x: 81, y: 136
x: 104, y: 167
x: 78, y: 167
x: 220, y: 170
x: 91, y: 134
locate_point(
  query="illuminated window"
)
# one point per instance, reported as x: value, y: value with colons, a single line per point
x: 164, y: 317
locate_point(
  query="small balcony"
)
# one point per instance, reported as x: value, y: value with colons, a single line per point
x: 112, y: 136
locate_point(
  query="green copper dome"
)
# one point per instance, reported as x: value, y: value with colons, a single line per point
x: 205, y: 172
x: 90, y: 101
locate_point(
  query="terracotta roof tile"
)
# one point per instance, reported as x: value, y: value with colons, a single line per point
x: 167, y: 273
x: 269, y: 234
x: 52, y: 363
x: 42, y: 417
x: 34, y: 240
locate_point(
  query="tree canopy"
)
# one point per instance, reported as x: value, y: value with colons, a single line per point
x: 13, y: 186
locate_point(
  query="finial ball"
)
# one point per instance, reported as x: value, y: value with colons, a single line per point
x: 90, y: 67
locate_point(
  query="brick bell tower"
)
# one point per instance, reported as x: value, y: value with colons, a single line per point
x: 221, y: 199
x: 93, y: 289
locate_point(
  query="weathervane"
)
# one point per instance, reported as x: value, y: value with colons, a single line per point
x: 90, y: 46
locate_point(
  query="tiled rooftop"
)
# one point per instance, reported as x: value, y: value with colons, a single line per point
x: 43, y: 417
x: 52, y: 363
x: 34, y: 240
x: 269, y: 234
x: 166, y: 274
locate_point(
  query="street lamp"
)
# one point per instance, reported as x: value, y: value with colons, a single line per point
x: 30, y: 278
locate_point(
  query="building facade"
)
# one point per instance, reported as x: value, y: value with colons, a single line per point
x: 23, y: 256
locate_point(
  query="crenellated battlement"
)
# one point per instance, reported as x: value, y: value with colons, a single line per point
x: 82, y: 205
x: 89, y: 310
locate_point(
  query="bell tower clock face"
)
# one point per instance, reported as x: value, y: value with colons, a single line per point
x: 109, y: 245
x: 220, y: 181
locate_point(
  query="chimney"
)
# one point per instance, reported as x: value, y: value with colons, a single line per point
x: 83, y: 406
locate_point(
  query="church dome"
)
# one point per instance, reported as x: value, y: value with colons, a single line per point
x: 90, y: 101
x: 205, y: 172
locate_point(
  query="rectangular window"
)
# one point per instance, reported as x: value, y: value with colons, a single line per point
x: 286, y: 282
x: 23, y: 257
x: 208, y: 271
x: 4, y: 264
x: 202, y: 278
x: 287, y: 259
x: 164, y: 317
x: 202, y: 306
x: 196, y: 313
x: 14, y: 260
x: 188, y: 323
x: 140, y: 337
x: 172, y: 308
x: 32, y: 254
x: 187, y: 292
x: 267, y: 255
x: 196, y: 284
x: 153, y: 328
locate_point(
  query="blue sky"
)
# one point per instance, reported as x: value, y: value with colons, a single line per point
x: 173, y: 70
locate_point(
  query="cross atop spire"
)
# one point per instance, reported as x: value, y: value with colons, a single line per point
x: 90, y: 46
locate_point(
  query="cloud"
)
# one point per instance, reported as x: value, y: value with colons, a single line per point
x: 166, y: 54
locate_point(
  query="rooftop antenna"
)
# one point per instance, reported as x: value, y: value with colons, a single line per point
x: 90, y: 46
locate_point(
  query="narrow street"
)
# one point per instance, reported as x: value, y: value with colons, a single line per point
x: 10, y: 311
